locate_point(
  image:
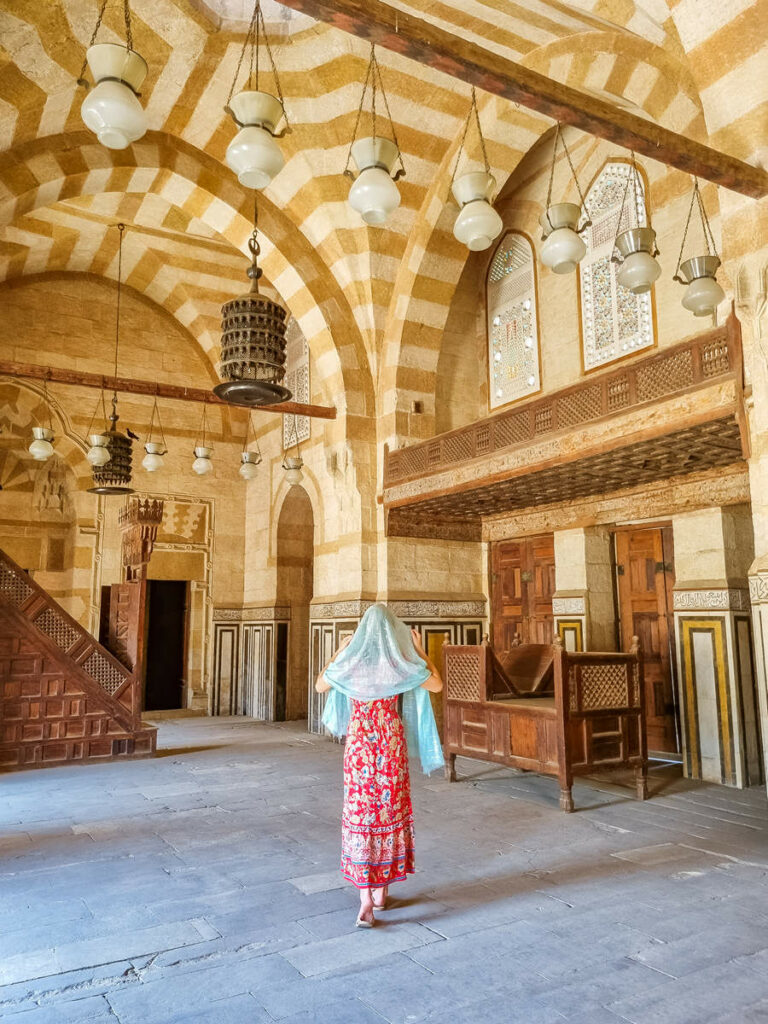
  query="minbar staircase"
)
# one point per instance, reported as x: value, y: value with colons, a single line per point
x: 63, y: 697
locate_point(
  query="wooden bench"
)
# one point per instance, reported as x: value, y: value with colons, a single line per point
x: 591, y: 719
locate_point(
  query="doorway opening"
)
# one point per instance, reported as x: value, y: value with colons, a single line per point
x: 522, y: 585
x: 295, y: 566
x: 166, y: 644
x: 645, y: 576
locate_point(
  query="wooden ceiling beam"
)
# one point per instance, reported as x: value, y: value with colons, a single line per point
x: 428, y: 44
x: 146, y: 387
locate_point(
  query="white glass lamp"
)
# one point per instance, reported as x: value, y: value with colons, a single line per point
x: 562, y: 248
x: 374, y: 194
x: 292, y: 466
x: 111, y: 110
x: 202, y: 463
x: 477, y: 224
x: 153, y: 460
x: 253, y: 154
x: 98, y: 454
x: 638, y: 267
x: 703, y: 294
x: 250, y: 462
x: 41, y: 448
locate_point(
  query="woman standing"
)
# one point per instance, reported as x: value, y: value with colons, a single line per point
x: 368, y: 673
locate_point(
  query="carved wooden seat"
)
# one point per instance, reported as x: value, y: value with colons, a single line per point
x: 592, y: 720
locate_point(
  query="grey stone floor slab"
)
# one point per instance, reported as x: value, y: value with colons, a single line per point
x: 202, y: 886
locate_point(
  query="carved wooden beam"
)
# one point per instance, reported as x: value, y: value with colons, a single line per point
x: 147, y: 387
x: 463, y: 59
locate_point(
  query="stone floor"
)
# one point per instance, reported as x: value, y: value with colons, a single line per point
x: 202, y: 887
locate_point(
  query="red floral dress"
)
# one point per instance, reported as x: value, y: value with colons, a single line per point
x: 377, y: 821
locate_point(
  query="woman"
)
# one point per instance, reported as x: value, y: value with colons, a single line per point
x: 366, y: 676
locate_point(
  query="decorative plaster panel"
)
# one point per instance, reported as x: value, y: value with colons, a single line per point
x: 269, y: 614
x: 568, y: 606
x: 725, y: 599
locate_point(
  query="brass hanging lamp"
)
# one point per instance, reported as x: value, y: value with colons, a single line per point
x: 114, y: 477
x: 253, y: 342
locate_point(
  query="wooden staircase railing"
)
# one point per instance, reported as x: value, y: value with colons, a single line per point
x: 63, y: 696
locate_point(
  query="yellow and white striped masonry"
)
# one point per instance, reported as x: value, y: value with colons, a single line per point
x: 372, y: 303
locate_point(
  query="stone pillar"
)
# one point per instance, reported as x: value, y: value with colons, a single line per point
x: 583, y: 603
x: 713, y: 631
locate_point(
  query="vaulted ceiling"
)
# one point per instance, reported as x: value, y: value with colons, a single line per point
x: 350, y: 287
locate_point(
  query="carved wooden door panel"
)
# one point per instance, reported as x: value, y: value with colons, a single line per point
x: 645, y: 574
x: 522, y: 584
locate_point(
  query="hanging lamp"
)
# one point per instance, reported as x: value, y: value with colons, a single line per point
x: 250, y: 460
x: 253, y: 342
x: 374, y: 194
x: 114, y: 476
x: 111, y: 110
x: 253, y: 154
x: 155, y: 450
x: 563, y: 247
x: 202, y: 463
x: 293, y: 464
x: 477, y: 224
x: 703, y: 294
x: 98, y: 453
x: 41, y: 446
x: 635, y: 248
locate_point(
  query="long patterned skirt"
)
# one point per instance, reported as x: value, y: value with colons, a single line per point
x: 377, y: 821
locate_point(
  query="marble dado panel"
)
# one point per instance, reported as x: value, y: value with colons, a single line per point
x: 568, y: 606
x: 734, y: 599
x: 251, y: 614
x: 576, y: 443
x: 677, y: 494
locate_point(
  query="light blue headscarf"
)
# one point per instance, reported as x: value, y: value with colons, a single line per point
x: 381, y: 661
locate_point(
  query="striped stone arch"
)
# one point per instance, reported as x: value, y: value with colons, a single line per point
x: 41, y: 173
x: 417, y: 316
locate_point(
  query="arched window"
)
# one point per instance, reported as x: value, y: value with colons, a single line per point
x: 513, y: 329
x: 614, y: 322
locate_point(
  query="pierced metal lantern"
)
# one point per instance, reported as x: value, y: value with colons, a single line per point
x: 114, y: 477
x: 253, y: 345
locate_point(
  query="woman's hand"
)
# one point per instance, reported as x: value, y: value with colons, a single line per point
x: 416, y: 637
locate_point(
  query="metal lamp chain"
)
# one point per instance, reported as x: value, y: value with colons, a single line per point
x: 389, y: 116
x: 248, y: 36
x: 121, y: 229
x: 707, y: 230
x: 358, y: 117
x: 472, y: 110
x: 81, y: 79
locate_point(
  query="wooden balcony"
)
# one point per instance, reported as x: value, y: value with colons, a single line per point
x: 677, y: 411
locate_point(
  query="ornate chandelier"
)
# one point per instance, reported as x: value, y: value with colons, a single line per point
x: 111, y: 110
x: 113, y: 476
x: 253, y: 343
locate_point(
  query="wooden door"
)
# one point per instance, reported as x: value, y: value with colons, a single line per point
x: 522, y: 585
x: 645, y: 575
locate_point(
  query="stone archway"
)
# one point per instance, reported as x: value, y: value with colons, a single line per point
x: 295, y: 564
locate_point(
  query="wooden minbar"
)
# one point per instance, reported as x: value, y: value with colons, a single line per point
x: 585, y: 715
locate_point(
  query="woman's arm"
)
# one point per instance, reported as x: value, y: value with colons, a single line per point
x: 321, y: 684
x: 435, y: 681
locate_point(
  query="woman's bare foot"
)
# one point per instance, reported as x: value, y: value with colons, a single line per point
x: 366, y: 907
x: 379, y: 897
